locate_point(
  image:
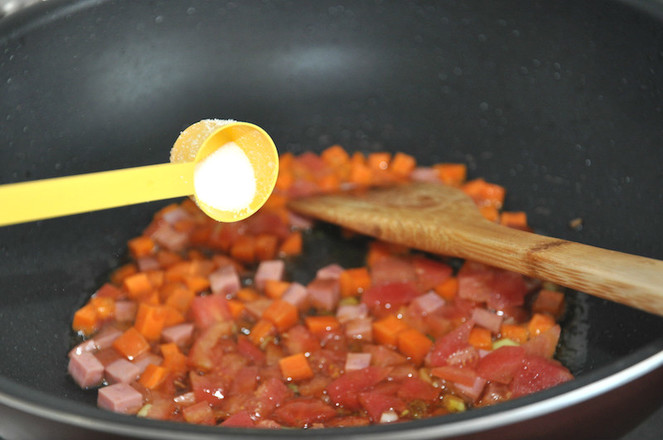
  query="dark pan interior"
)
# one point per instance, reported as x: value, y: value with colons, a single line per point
x: 561, y: 102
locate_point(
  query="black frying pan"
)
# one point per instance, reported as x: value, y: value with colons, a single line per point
x: 561, y: 102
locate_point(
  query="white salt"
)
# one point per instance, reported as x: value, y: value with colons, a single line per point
x: 225, y: 180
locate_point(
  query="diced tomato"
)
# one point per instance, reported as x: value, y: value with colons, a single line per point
x: 302, y: 412
x: 382, y: 299
x: 496, y: 287
x: 471, y: 392
x: 538, y: 373
x: 413, y: 388
x: 270, y: 394
x: 344, y: 390
x: 209, y: 309
x: 199, y: 413
x: 382, y: 356
x: 208, y: 388
x: 202, y: 354
x: 377, y: 403
x: 545, y: 343
x: 453, y: 348
x: 500, y: 365
x: 241, y: 419
x: 459, y: 375
x: 250, y: 351
x: 245, y: 380
x: 391, y: 269
x: 430, y: 273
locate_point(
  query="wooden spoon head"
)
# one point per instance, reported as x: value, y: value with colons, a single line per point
x: 410, y: 214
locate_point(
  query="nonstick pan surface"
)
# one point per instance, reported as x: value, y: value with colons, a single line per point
x: 558, y: 101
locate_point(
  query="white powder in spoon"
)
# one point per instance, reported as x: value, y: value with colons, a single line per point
x: 225, y: 180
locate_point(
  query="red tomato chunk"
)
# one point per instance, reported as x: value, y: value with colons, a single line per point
x: 204, y: 326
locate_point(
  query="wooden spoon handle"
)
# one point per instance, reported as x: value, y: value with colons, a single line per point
x: 623, y: 278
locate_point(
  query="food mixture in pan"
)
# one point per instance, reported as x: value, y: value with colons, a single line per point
x: 206, y: 325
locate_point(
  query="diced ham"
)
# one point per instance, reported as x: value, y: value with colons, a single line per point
x: 148, y: 263
x: 348, y: 312
x: 225, y: 280
x: 487, y: 319
x: 174, y: 215
x: 324, y: 294
x: 121, y: 371
x: 125, y: 310
x: 86, y: 370
x: 105, y: 338
x: 471, y: 392
x: 329, y: 272
x: 121, y: 398
x: 425, y: 174
x: 428, y: 303
x: 299, y: 222
x: 357, y: 361
x: 89, y: 346
x: 179, y: 334
x: 269, y: 270
x: 360, y: 328
x: 297, y: 295
x: 146, y: 359
x: 171, y: 239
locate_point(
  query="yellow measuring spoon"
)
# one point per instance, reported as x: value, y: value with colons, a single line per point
x: 229, y: 167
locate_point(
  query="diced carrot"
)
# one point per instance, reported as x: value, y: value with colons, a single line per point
x: 490, y: 213
x: 275, y: 201
x: 378, y: 160
x: 184, y: 225
x: 86, y: 320
x: 414, y: 344
x: 266, y: 247
x: 354, y: 281
x: 360, y: 172
x: 244, y: 249
x: 402, y: 164
x: 122, y: 272
x: 180, y: 297
x: 485, y: 193
x: 481, y: 338
x: 151, y: 298
x: 448, y: 288
x: 156, y: 278
x: 247, y: 294
x: 201, y: 266
x: 335, y: 156
x: 137, y: 285
x: 150, y: 320
x: 515, y: 219
x: 453, y: 174
x: 292, y: 245
x: 515, y: 332
x: 539, y: 323
x: 167, y: 258
x: 141, y: 246
x: 295, y: 367
x: 109, y: 290
x: 153, y: 376
x: 173, y: 316
x: 282, y: 314
x: 549, y: 301
x: 104, y: 306
x: 173, y: 359
x: 131, y: 343
x: 275, y: 288
x: 386, y: 330
x: 236, y: 307
x: 329, y: 183
x: 320, y: 325
x: 377, y: 250
x: 197, y: 283
x: 261, y: 332
x: 284, y: 180
x: 178, y: 271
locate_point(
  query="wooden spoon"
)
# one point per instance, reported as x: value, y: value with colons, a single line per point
x: 443, y: 220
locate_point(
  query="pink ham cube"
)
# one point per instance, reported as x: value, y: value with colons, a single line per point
x: 297, y: 295
x: 269, y: 270
x: 225, y: 280
x: 329, y: 272
x: 179, y: 334
x: 86, y: 370
x: 121, y: 398
x: 121, y: 371
x: 324, y: 294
